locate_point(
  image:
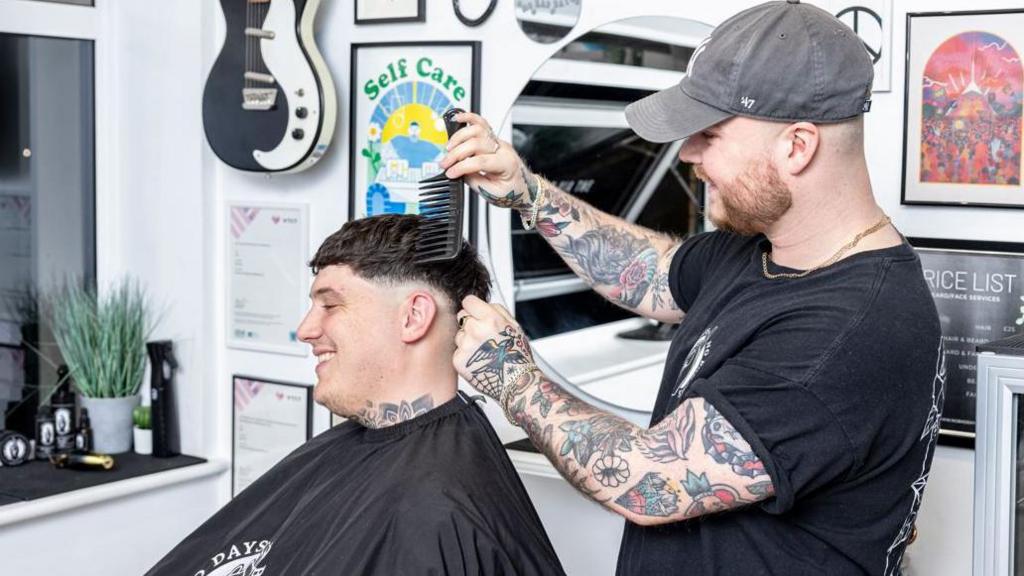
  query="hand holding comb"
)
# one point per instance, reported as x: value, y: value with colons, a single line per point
x: 441, y: 203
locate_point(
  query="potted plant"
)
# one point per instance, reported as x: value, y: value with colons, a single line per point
x: 102, y: 339
x: 142, y: 432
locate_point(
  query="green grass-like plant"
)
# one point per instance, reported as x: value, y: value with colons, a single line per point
x: 102, y: 338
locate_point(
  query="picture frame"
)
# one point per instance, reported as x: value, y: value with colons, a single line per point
x: 978, y: 289
x: 962, y: 112
x: 389, y: 11
x: 267, y: 276
x: 399, y: 92
x: 281, y: 417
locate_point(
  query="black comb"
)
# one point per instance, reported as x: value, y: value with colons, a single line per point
x: 441, y: 205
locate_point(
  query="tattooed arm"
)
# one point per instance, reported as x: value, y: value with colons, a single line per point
x: 692, y: 463
x: 626, y: 263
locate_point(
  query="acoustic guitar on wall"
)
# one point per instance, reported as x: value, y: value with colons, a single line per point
x: 269, y: 104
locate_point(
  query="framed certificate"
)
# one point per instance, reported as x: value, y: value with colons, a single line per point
x: 268, y: 276
x: 269, y: 420
x: 978, y: 289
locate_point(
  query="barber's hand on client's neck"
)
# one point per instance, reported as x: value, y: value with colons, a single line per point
x: 492, y: 353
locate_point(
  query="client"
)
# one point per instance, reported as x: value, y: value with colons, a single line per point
x: 416, y: 481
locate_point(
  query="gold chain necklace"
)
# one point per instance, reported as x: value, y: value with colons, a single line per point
x: 835, y: 257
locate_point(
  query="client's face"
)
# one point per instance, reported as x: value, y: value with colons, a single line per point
x: 352, y: 329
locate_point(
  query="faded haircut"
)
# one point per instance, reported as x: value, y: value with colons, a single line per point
x: 381, y: 249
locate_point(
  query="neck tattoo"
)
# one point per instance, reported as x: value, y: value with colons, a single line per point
x: 832, y: 260
x: 388, y: 414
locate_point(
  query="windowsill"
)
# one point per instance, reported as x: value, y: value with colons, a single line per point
x: 72, y: 497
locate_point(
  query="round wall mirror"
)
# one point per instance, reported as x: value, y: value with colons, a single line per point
x: 569, y: 125
x: 546, y: 21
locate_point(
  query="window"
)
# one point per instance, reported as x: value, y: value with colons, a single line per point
x: 47, y: 205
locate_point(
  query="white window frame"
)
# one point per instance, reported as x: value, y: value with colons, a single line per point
x: 1000, y: 381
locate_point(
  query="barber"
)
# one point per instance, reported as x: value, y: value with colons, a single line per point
x: 796, y: 419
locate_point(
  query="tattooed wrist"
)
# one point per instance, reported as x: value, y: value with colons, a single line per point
x: 388, y: 414
x: 519, y: 379
x: 531, y: 185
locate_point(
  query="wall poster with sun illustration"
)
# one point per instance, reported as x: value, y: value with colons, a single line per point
x: 399, y: 93
x: 962, y: 108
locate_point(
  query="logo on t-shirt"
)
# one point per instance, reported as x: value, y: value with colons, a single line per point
x: 694, y: 361
x: 244, y: 560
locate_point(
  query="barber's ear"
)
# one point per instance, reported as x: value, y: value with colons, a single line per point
x: 798, y: 142
x: 417, y: 314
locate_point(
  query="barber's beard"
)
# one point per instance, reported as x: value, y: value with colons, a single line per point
x: 752, y: 202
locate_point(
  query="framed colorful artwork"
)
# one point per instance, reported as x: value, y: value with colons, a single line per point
x: 962, y: 109
x: 398, y: 136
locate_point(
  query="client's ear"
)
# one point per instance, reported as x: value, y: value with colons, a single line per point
x: 418, y: 313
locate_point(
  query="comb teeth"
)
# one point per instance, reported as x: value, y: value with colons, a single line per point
x: 440, y: 230
x: 441, y: 205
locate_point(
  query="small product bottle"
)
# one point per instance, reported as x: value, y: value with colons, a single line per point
x: 64, y: 412
x: 83, y: 440
x: 46, y: 433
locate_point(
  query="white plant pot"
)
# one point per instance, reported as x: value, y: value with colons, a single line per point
x: 143, y: 440
x: 111, y: 420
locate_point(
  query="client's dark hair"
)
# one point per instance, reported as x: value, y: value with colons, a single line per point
x: 382, y: 249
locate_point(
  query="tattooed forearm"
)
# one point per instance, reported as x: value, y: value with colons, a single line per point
x: 671, y: 439
x: 653, y: 495
x: 389, y: 414
x: 613, y: 258
x: 665, y: 479
x: 624, y: 262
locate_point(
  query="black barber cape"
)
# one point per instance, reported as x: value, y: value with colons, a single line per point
x: 433, y: 495
x: 835, y: 379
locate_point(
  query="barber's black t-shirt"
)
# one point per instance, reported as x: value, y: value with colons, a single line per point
x: 433, y: 495
x: 836, y: 380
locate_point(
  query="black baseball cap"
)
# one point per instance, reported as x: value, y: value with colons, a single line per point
x: 781, y: 61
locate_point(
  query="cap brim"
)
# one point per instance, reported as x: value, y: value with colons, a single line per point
x: 671, y: 115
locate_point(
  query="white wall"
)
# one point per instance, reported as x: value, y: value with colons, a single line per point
x: 163, y: 220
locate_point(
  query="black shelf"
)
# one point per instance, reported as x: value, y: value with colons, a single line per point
x: 39, y: 479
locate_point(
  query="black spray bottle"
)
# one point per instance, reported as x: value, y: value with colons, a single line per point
x: 161, y: 388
